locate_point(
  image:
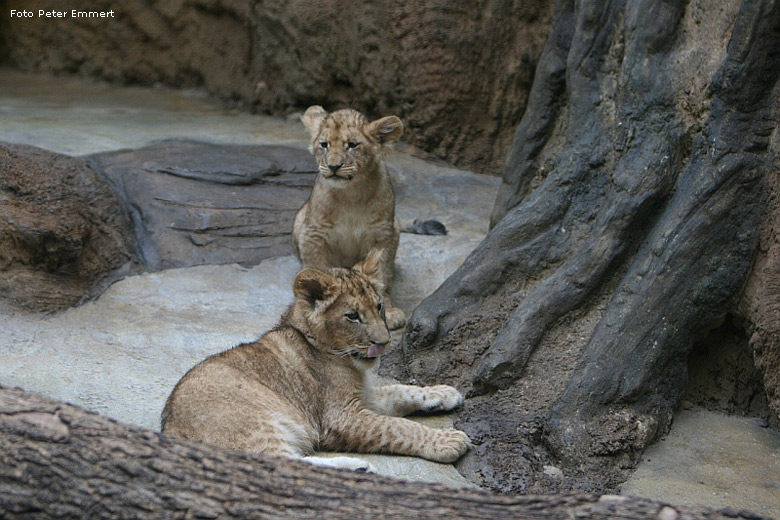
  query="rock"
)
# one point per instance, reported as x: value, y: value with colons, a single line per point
x: 63, y: 235
x: 552, y: 471
x: 200, y: 203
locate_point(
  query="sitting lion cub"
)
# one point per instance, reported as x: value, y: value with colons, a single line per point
x: 307, y: 384
x: 352, y: 205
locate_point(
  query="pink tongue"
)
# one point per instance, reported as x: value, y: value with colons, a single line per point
x: 375, y: 350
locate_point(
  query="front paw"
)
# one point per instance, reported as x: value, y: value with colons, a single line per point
x: 355, y: 464
x: 441, y: 398
x: 449, y: 446
x: 395, y: 318
x: 350, y: 463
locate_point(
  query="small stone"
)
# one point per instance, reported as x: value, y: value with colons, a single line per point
x: 612, y: 499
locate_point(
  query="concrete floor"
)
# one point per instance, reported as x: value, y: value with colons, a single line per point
x: 714, y: 460
x: 121, y: 354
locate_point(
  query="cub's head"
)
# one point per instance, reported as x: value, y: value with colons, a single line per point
x: 346, y: 144
x: 342, y: 309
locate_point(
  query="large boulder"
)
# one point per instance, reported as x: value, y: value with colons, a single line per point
x: 198, y: 203
x: 63, y: 235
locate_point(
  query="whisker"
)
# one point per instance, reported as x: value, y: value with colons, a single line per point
x: 348, y: 350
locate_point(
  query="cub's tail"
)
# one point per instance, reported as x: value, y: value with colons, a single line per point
x: 424, y: 227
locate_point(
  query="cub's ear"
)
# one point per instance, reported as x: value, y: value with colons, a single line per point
x: 386, y: 130
x: 372, y: 266
x: 311, y: 286
x: 313, y: 118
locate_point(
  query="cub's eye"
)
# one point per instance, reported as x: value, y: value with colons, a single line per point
x: 324, y: 145
x: 353, y: 316
x: 353, y: 144
x: 380, y: 307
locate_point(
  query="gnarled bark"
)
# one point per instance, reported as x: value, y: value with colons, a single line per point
x: 626, y: 224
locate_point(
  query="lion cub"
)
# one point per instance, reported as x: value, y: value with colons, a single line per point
x: 308, y: 384
x: 352, y: 205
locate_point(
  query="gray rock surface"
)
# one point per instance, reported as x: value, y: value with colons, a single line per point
x: 195, y: 203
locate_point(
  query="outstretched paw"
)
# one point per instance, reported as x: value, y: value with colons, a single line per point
x: 441, y: 398
x: 395, y: 318
x: 350, y: 463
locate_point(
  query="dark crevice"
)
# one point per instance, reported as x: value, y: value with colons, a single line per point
x: 722, y: 376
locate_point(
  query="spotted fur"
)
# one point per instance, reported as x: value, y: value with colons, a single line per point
x: 352, y: 205
x: 308, y: 384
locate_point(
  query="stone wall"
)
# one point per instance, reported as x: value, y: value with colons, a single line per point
x: 458, y: 75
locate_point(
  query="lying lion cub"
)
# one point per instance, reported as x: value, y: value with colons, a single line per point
x: 308, y: 383
x: 352, y: 205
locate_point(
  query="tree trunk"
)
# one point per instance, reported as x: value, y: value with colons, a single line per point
x: 60, y: 461
x: 625, y: 227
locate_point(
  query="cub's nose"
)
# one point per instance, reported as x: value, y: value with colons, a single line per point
x: 334, y: 167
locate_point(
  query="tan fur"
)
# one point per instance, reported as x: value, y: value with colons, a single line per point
x: 352, y: 205
x: 307, y: 384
